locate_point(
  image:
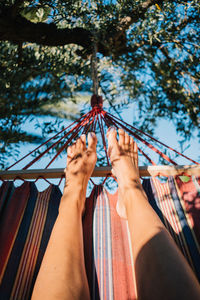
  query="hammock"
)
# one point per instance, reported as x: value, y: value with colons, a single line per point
x: 27, y: 217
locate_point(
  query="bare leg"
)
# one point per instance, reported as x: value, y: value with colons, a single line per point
x: 161, y: 270
x: 62, y: 274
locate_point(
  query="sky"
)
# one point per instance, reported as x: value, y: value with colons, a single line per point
x: 165, y: 132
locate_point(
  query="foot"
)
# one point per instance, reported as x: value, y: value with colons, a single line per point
x: 81, y: 161
x: 124, y: 159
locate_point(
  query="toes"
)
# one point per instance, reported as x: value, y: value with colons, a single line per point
x: 69, y: 154
x: 78, y: 145
x: 124, y: 140
x: 111, y: 136
x: 135, y: 153
x: 127, y: 140
x: 135, y: 147
x: 83, y: 141
x: 92, y: 141
x: 121, y: 137
x: 73, y: 149
x: 132, y: 146
x: 132, y: 143
x: 69, y: 150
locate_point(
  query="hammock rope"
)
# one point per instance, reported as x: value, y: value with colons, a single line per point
x: 94, y: 69
x: 73, y: 136
x: 103, y: 138
x: 155, y: 140
x: 49, y: 148
x: 46, y: 142
x: 97, y: 120
x: 147, y: 157
x: 150, y: 146
x: 140, y: 150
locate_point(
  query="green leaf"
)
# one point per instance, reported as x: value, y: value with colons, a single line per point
x: 184, y: 178
x: 36, y: 14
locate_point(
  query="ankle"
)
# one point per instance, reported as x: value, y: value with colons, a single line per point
x: 73, y: 198
x: 129, y: 182
x: 76, y: 181
x: 129, y: 190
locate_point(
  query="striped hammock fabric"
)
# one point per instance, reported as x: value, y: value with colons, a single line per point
x: 27, y: 218
x: 109, y: 264
x: 178, y: 206
x: 26, y: 221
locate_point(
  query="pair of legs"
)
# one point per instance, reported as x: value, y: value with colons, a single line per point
x: 161, y: 271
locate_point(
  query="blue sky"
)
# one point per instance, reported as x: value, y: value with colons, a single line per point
x: 165, y: 132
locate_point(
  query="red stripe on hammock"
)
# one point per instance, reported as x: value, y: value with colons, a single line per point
x: 11, y: 219
x: 191, y: 201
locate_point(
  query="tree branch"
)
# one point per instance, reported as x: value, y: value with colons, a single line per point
x: 118, y: 39
x: 137, y: 13
x: 16, y: 6
x: 17, y: 29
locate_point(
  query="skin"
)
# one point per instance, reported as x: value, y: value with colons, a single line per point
x: 161, y: 270
x: 62, y: 273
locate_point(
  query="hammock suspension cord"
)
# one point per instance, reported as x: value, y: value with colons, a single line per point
x: 97, y: 120
x: 94, y: 69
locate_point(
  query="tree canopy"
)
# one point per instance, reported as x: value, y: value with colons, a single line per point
x: 148, y: 54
